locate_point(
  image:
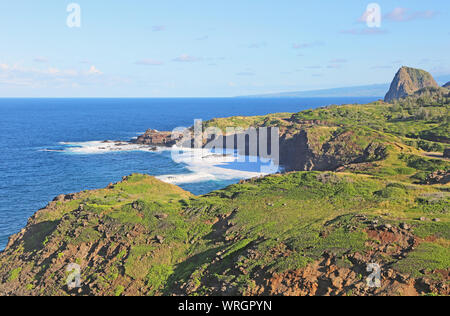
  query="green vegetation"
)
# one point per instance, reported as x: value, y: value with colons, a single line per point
x: 427, y: 257
x: 142, y: 236
x: 119, y: 290
x: 14, y: 274
x: 276, y: 224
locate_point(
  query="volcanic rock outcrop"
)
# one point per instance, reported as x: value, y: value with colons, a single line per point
x: 407, y: 81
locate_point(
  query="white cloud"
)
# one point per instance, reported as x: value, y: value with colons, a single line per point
x: 187, y: 59
x: 405, y: 15
x: 51, y: 76
x: 94, y: 71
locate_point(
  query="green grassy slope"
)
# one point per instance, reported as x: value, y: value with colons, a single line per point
x: 300, y: 233
x: 264, y: 227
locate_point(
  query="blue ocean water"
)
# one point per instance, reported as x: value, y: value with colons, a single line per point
x: 31, y: 176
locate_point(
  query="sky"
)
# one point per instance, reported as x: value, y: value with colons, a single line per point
x: 213, y: 48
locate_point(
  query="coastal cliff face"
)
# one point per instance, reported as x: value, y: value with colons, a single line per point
x: 303, y: 233
x: 368, y: 186
x: 305, y: 152
x: 305, y: 146
x: 407, y: 81
x: 336, y: 137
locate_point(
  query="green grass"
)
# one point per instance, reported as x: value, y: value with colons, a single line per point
x: 87, y: 235
x: 277, y: 223
x: 425, y: 164
x: 429, y: 229
x: 428, y: 256
x: 157, y: 276
x: 287, y: 221
x: 14, y: 274
x: 119, y: 290
x: 137, y: 264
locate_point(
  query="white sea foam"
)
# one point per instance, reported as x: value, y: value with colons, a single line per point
x: 103, y: 147
x: 209, y: 166
x: 203, y: 164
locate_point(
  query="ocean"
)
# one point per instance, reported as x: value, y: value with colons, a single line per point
x: 54, y: 146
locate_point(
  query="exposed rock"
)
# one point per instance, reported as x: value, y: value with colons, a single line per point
x: 407, y: 81
x: 65, y: 197
x: 160, y: 239
x: 438, y: 177
x: 387, y: 226
x: 155, y: 138
x: 135, y: 205
x: 161, y: 216
x: 337, y: 282
x: 447, y: 153
x: 299, y: 151
x: 447, y: 85
x: 404, y: 226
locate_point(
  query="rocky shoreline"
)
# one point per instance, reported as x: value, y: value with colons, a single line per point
x: 298, y: 149
x: 156, y: 139
x: 360, y: 193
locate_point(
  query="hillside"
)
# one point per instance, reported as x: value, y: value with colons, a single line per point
x: 369, y: 184
x: 407, y: 81
x: 372, y: 90
x: 375, y: 90
x: 276, y: 235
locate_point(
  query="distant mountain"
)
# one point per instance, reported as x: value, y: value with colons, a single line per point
x: 442, y: 79
x: 407, y: 81
x: 376, y: 90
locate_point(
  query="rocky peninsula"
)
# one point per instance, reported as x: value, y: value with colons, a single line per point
x: 366, y: 184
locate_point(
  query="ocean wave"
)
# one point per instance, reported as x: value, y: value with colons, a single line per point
x: 203, y: 164
x: 104, y: 147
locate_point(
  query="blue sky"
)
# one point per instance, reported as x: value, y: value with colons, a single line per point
x: 208, y: 48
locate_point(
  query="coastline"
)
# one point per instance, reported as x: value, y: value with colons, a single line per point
x: 348, y: 188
